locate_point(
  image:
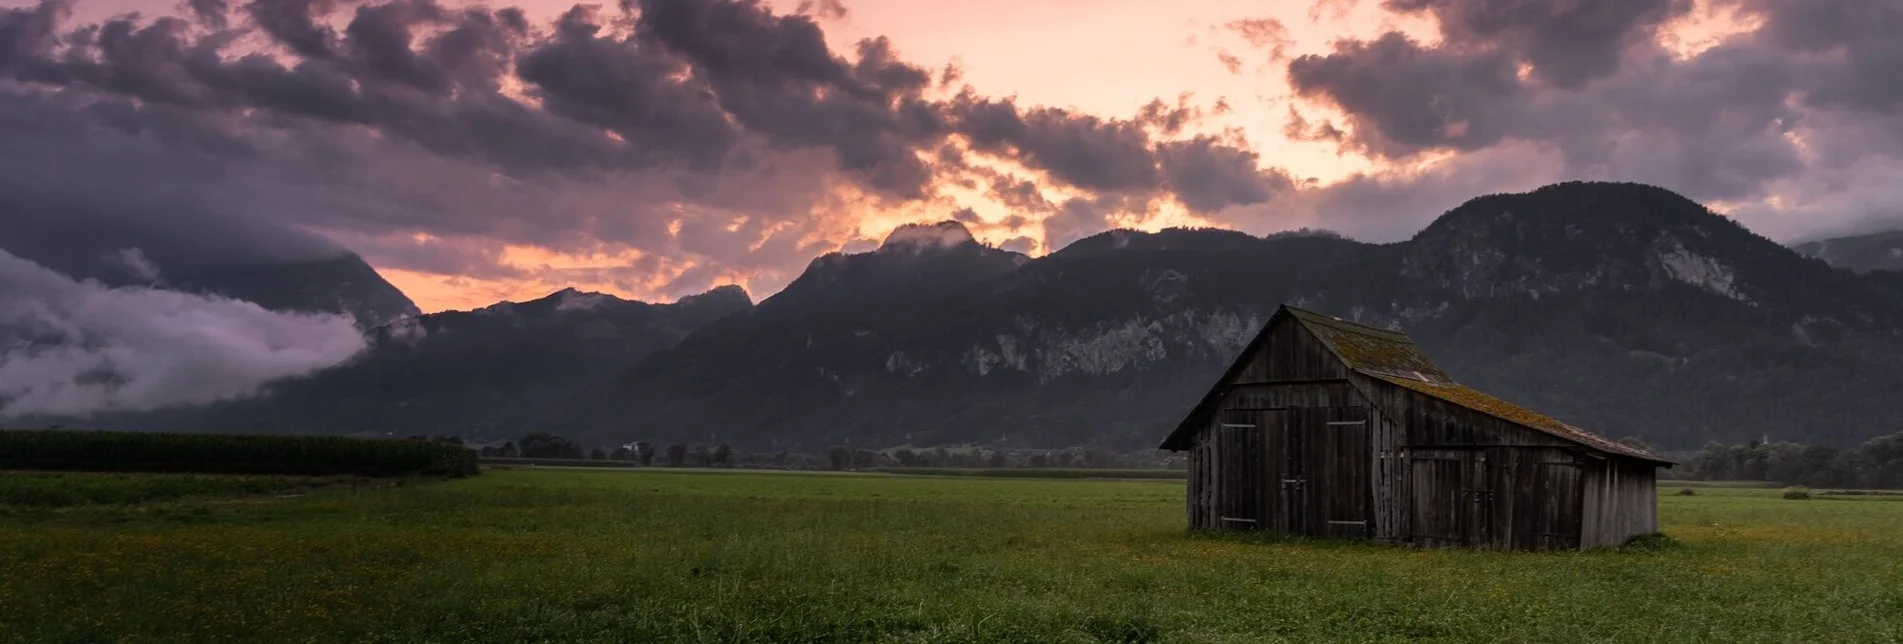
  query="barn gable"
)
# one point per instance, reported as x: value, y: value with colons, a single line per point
x: 1388, y: 358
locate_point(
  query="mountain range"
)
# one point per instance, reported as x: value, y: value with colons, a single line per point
x: 1878, y: 251
x: 1623, y: 308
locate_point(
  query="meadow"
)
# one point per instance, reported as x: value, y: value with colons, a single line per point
x: 566, y: 555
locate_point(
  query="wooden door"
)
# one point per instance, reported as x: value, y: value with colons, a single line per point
x: 1555, y: 506
x: 1450, y: 501
x: 1293, y: 438
x: 1341, y: 453
x: 1249, y: 467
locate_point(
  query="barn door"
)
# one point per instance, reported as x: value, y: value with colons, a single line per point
x: 1557, y: 494
x: 1292, y: 443
x: 1241, y: 452
x: 1341, y: 450
x: 1451, y: 503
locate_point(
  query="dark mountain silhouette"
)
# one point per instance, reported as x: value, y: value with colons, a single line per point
x: 1623, y: 308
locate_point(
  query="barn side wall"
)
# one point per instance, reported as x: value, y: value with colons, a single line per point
x: 1542, y: 492
x: 1621, y: 502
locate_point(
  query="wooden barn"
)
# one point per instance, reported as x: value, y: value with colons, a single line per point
x: 1329, y: 428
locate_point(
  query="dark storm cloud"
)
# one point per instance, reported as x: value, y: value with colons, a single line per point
x: 1861, y: 38
x: 1803, y: 104
x: 1113, y: 157
x: 210, y: 13
x: 296, y: 24
x: 1081, y: 150
x: 1567, y: 42
x: 1208, y: 175
x: 1403, y: 98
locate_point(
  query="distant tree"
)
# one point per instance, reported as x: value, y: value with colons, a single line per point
x: 1714, y: 462
x: 998, y: 459
x: 779, y: 460
x: 702, y: 456
x: 622, y: 453
x: 644, y: 451
x: 546, y: 445
x: 941, y: 457
x: 1064, y: 458
x: 1039, y: 460
x: 597, y: 455
x: 864, y: 458
x: 907, y: 458
x: 676, y: 454
x: 1879, y: 462
x: 1821, y: 466
x: 486, y: 451
x: 509, y: 450
x: 839, y: 458
x: 723, y: 454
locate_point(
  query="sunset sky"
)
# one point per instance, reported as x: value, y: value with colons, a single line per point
x: 657, y: 148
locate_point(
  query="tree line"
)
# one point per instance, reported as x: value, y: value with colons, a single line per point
x: 1875, y: 464
x: 545, y: 445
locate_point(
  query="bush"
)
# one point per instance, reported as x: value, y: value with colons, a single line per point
x: 59, y: 450
x: 1685, y: 491
x: 1797, y: 493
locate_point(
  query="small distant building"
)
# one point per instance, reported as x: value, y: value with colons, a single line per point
x: 1328, y: 428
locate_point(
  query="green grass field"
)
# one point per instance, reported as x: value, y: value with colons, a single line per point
x: 630, y: 556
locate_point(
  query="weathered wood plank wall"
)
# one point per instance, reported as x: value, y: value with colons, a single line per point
x: 1310, y: 448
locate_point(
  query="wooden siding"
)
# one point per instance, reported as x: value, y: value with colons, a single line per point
x: 1621, y: 502
x: 1291, y: 353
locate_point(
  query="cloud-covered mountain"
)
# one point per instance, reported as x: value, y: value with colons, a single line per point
x: 72, y: 347
x: 490, y: 372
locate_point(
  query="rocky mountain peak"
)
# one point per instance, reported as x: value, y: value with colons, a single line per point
x: 1580, y: 235
x: 919, y: 237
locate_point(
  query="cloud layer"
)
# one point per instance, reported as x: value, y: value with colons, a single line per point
x: 659, y: 147
x: 78, y: 347
x: 681, y: 143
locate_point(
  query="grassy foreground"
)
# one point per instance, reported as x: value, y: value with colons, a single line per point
x: 559, y: 556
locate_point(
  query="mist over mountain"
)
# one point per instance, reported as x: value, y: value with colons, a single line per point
x: 1878, y: 251
x: 490, y: 372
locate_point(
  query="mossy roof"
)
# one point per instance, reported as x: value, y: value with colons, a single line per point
x: 1479, y: 401
x: 1371, y: 349
x: 1393, y: 358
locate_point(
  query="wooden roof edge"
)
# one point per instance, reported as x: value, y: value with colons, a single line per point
x: 1308, y: 315
x: 1199, y: 414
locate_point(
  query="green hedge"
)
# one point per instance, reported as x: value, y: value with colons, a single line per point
x: 229, y: 454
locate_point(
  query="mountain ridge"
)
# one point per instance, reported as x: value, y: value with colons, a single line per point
x: 1639, y: 293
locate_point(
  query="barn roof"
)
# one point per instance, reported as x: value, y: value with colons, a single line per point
x: 1369, y: 349
x: 1391, y: 357
x: 1476, y: 400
